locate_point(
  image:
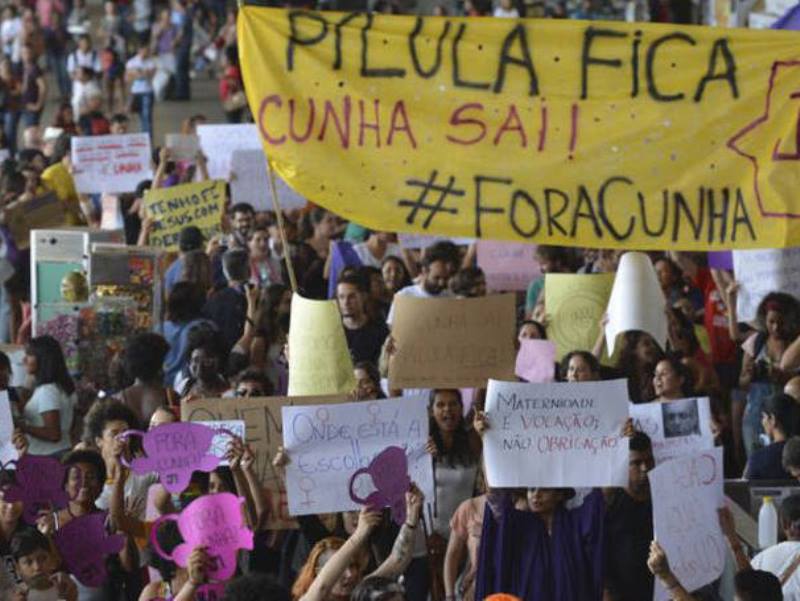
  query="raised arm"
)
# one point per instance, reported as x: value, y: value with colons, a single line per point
x: 403, y: 548
x: 728, y: 527
x: 659, y: 566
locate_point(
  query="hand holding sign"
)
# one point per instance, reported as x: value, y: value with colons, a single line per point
x: 174, y: 451
x: 84, y: 544
x: 38, y: 485
x: 389, y: 474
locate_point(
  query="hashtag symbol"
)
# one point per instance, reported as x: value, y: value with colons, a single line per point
x: 433, y: 207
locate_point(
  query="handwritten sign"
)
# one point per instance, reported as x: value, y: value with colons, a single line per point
x: 686, y: 492
x: 675, y: 428
x: 558, y: 131
x: 212, y: 521
x: 174, y: 451
x: 328, y: 444
x: 42, y: 212
x: 263, y: 432
x: 508, y: 265
x: 637, y: 301
x: 111, y: 163
x: 575, y: 304
x: 84, y: 544
x: 452, y: 342
x: 219, y: 141
x: 250, y: 183
x: 552, y: 435
x: 536, y: 360
x: 319, y: 362
x: 183, y: 147
x: 223, y: 431
x: 7, y: 450
x: 38, y: 486
x: 200, y: 204
x: 760, y: 272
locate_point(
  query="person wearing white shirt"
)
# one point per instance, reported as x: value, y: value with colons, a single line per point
x: 378, y: 246
x: 83, y: 56
x: 139, y: 72
x: 48, y: 414
x: 783, y: 559
x: 10, y: 29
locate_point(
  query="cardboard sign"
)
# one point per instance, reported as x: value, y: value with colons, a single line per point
x: 42, y: 212
x: 508, y: 265
x: 556, y: 434
x: 332, y: 450
x: 215, y: 522
x: 675, y: 428
x: 111, y: 163
x: 760, y: 272
x: 219, y: 141
x: 250, y: 183
x: 575, y: 304
x: 686, y: 493
x: 319, y: 361
x: 183, y: 147
x: 452, y: 342
x: 200, y: 204
x: 536, y: 360
x: 174, y: 451
x: 223, y: 431
x: 84, y: 544
x: 637, y: 301
x: 557, y: 131
x: 263, y: 432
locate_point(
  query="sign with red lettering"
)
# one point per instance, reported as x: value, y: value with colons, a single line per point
x: 113, y: 164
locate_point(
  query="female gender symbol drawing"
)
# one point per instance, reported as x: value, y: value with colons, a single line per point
x: 306, y: 485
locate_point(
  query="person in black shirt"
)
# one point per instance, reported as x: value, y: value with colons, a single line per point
x: 779, y: 417
x: 365, y: 336
x: 629, y: 528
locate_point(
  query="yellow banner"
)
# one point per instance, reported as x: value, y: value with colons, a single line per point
x: 564, y: 132
x: 200, y: 204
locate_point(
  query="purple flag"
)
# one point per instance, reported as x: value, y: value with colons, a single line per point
x: 342, y: 255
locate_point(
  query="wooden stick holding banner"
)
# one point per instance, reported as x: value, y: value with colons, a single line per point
x: 279, y: 217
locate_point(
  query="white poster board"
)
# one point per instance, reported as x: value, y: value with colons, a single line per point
x: 112, y: 164
x: 7, y: 450
x: 421, y: 241
x: 250, y: 183
x: 183, y: 147
x: 327, y: 444
x: 675, y: 428
x: 556, y: 434
x: 637, y: 301
x: 760, y: 272
x: 222, y: 438
x: 686, y: 493
x: 508, y: 265
x: 218, y: 142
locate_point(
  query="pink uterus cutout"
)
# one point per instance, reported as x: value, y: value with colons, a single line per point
x: 389, y: 474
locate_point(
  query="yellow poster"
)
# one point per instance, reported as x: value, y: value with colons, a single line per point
x: 319, y: 361
x: 564, y: 132
x: 574, y: 304
x: 200, y: 204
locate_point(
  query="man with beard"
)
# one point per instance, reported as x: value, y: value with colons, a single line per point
x: 365, y: 336
x: 629, y: 528
x: 242, y: 217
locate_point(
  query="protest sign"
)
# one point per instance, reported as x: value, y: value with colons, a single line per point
x: 263, y: 432
x: 556, y: 434
x: 183, y: 147
x: 508, y: 265
x: 452, y: 342
x: 200, y: 204
x: 636, y: 302
x: 557, y: 131
x: 575, y: 303
x: 16, y: 354
x: 421, y: 241
x: 38, y: 485
x: 224, y: 431
x: 111, y: 163
x: 214, y: 522
x: 319, y: 362
x: 760, y: 272
x: 536, y: 360
x: 675, y: 428
x: 219, y: 141
x: 111, y: 213
x: 389, y: 473
x: 84, y: 544
x: 174, y: 451
x: 7, y: 450
x: 250, y: 183
x: 328, y: 444
x: 686, y: 493
x: 41, y: 212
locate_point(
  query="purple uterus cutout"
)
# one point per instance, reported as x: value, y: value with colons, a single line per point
x: 174, y: 451
x: 215, y: 522
x: 38, y: 484
x: 84, y: 544
x: 389, y: 474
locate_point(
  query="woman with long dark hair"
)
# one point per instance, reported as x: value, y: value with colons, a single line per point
x: 47, y: 415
